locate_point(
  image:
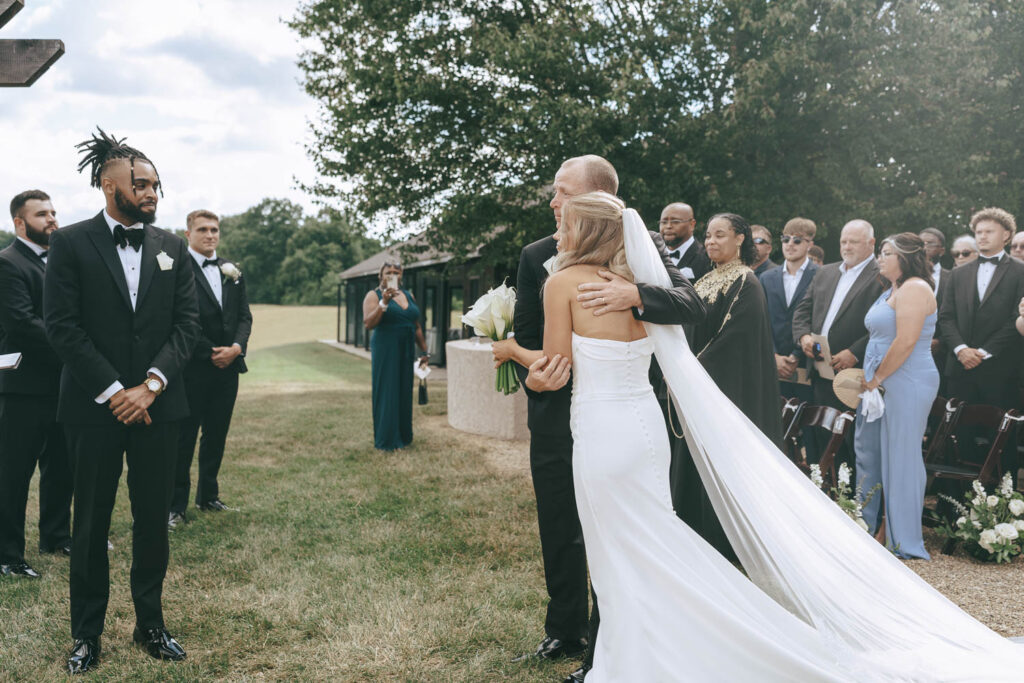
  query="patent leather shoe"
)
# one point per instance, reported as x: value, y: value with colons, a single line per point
x: 85, y: 655
x: 59, y: 549
x: 174, y: 520
x: 578, y: 675
x: 18, y: 569
x: 159, y: 644
x: 554, y: 648
x: 214, y: 505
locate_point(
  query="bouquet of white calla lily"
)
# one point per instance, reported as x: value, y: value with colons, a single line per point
x: 491, y: 316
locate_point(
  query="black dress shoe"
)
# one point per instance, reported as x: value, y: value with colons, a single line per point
x: 214, y: 505
x: 159, y: 644
x: 174, y: 519
x: 553, y: 648
x: 19, y: 569
x: 59, y: 549
x: 578, y: 675
x: 85, y: 655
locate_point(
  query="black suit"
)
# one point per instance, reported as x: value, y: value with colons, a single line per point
x: 211, y: 390
x: 780, y: 315
x: 847, y: 330
x: 986, y: 324
x: 940, y: 352
x: 101, y: 340
x: 696, y: 259
x: 29, y: 431
x: 565, y: 567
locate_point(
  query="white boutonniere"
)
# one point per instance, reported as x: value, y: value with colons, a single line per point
x: 549, y: 265
x: 164, y: 261
x: 231, y: 270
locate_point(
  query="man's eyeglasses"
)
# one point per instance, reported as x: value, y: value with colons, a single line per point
x: 675, y: 222
x: 760, y: 240
x: 961, y: 254
x: 1017, y: 247
x: 795, y: 239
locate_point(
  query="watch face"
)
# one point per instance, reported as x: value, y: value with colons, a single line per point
x: 153, y: 385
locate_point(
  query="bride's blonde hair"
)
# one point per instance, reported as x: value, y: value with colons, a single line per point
x: 593, y: 223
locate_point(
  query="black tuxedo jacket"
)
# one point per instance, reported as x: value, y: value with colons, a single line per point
x: 780, y: 315
x: 21, y: 324
x: 91, y: 325
x: 848, y: 330
x: 987, y: 324
x: 548, y: 412
x: 221, y: 326
x: 696, y: 259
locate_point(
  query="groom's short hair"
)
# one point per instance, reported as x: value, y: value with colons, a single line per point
x: 600, y: 175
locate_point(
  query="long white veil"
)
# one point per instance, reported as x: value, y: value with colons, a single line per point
x: 879, y: 618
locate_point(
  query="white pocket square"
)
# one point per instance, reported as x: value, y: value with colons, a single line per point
x: 164, y: 261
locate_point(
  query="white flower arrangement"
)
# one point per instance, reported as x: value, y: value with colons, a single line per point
x: 231, y: 270
x: 988, y: 524
x: 491, y: 316
x: 852, y: 505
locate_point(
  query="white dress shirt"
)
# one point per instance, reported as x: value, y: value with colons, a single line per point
x: 790, y: 282
x: 131, y: 262
x: 985, y: 273
x: 39, y: 251
x: 687, y: 271
x: 936, y: 274
x: 212, y: 274
x: 846, y: 280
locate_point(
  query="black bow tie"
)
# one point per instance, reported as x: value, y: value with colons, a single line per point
x: 994, y: 260
x: 211, y: 262
x: 44, y: 254
x: 124, y: 237
x: 674, y: 254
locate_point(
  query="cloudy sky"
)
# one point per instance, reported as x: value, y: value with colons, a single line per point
x: 206, y: 88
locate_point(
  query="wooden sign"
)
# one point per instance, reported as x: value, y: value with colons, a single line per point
x: 22, y: 62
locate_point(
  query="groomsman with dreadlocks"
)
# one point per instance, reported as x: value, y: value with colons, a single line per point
x: 121, y: 313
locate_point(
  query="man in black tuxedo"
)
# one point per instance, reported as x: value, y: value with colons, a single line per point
x: 565, y: 566
x: 211, y: 376
x: 29, y: 432
x: 976, y: 320
x: 676, y: 228
x: 934, y: 249
x: 784, y: 288
x: 121, y: 314
x: 835, y: 305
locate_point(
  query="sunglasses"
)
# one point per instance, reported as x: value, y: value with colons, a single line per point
x: 795, y: 239
x: 961, y: 254
x: 760, y: 240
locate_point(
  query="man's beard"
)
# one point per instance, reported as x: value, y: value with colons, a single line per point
x: 132, y: 211
x: 40, y: 237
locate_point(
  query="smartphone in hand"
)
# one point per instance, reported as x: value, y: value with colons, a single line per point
x: 392, y: 281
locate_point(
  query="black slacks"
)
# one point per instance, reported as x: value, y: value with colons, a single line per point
x: 98, y: 452
x: 211, y: 401
x: 29, y: 433
x: 561, y: 537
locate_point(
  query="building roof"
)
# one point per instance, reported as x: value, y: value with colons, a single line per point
x: 413, y: 253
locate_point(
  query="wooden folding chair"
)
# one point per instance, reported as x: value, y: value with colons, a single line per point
x: 819, y: 417
x: 943, y: 419
x: 953, y: 466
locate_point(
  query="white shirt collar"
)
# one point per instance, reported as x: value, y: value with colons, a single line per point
x: 39, y: 251
x: 857, y: 268
x: 799, y: 271
x: 937, y: 269
x: 199, y: 257
x: 998, y: 256
x: 111, y: 223
x: 683, y: 247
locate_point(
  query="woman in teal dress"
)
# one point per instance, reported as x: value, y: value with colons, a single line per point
x: 898, y: 358
x: 392, y: 314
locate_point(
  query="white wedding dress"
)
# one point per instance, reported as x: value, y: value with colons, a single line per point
x: 823, y: 600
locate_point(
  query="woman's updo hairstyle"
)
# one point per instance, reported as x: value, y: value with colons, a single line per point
x: 910, y: 253
x: 592, y: 224
x: 740, y: 226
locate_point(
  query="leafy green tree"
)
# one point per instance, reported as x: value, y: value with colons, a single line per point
x: 258, y: 240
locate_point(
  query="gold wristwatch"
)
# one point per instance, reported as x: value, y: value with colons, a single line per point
x: 155, y: 385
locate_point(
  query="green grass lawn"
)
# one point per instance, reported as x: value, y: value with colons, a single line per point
x: 343, y: 563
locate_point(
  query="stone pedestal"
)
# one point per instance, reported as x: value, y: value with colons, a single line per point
x: 473, y: 404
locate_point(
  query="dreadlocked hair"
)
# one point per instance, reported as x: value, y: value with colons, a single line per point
x: 100, y: 151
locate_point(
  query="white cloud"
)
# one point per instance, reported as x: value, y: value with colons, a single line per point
x: 208, y: 89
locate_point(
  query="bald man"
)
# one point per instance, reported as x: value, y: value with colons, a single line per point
x: 835, y: 305
x: 676, y: 228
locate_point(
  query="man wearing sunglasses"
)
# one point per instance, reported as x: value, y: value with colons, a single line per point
x: 763, y: 244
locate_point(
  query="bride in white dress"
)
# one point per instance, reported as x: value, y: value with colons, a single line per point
x: 823, y: 601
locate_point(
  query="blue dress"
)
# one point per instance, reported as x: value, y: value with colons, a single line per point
x: 889, y: 449
x: 392, y: 353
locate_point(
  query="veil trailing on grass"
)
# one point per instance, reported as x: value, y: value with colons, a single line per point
x: 879, y: 619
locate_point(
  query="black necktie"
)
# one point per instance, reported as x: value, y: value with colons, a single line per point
x: 674, y: 254
x: 211, y: 262
x: 994, y: 260
x: 124, y: 237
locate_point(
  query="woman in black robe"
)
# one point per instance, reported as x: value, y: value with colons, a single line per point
x: 734, y: 344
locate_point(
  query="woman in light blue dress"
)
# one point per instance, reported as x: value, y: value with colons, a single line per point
x: 898, y: 358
